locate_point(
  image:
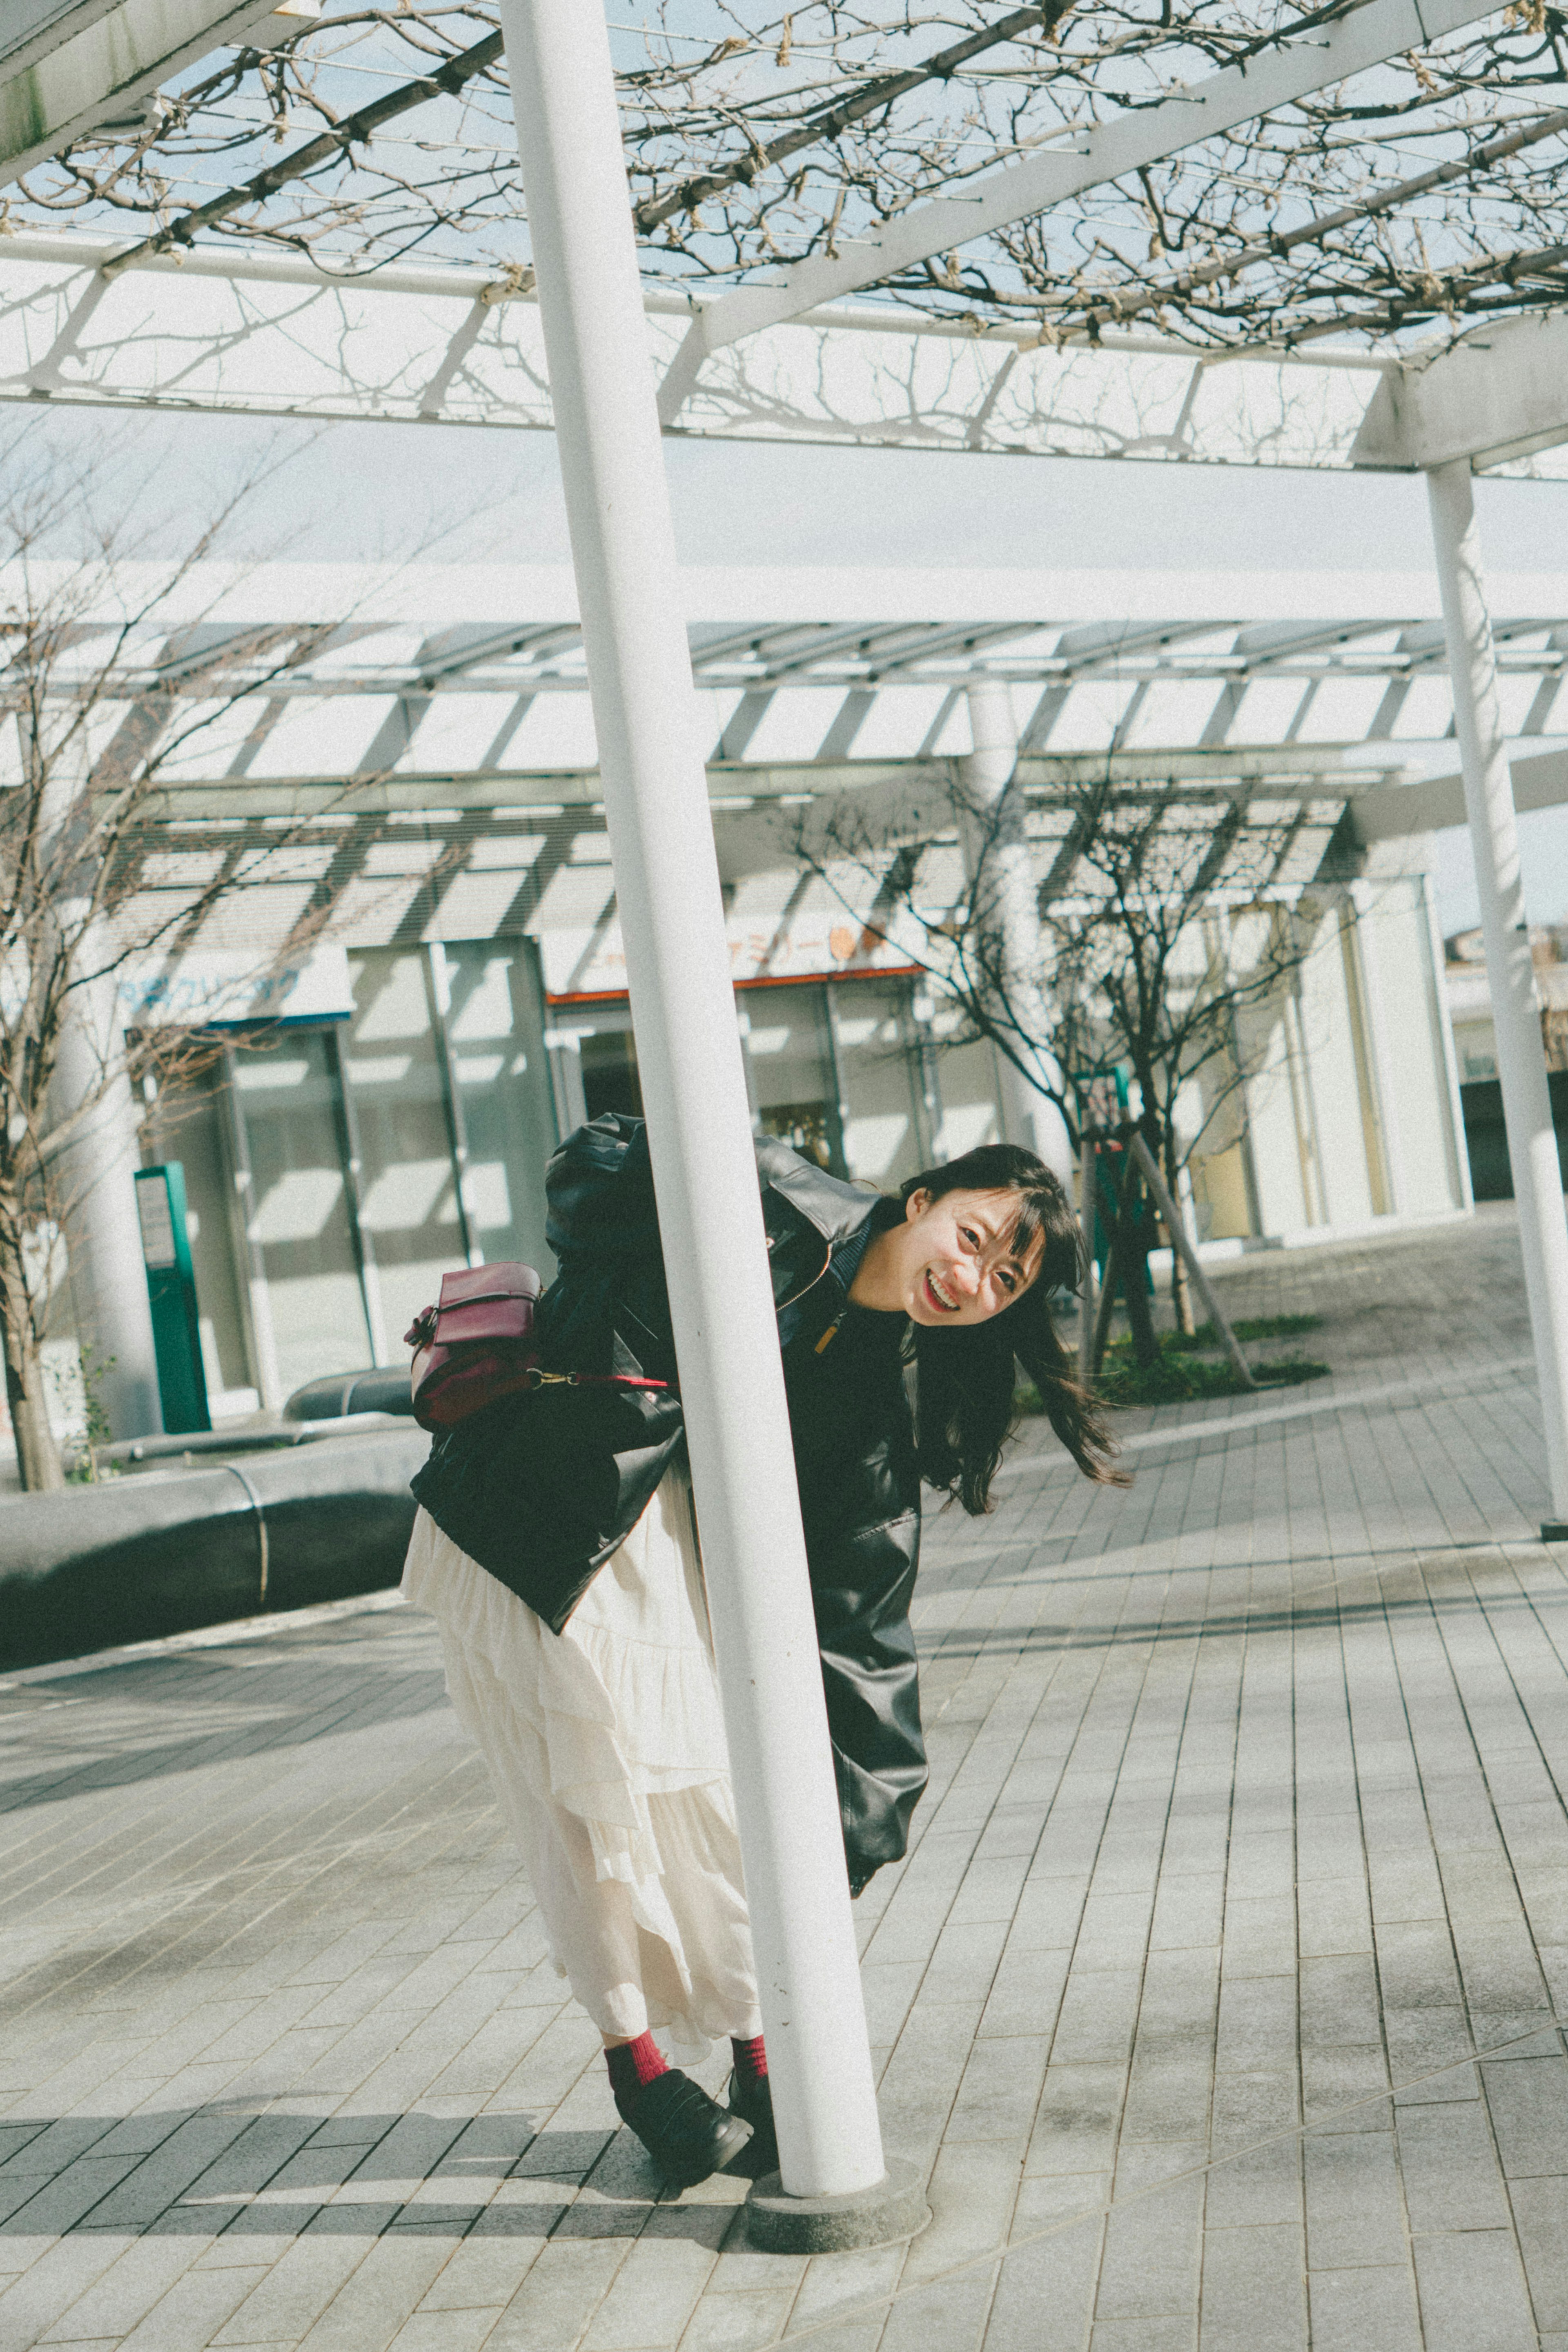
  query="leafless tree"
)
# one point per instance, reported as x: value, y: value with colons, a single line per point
x: 377, y: 132
x: 1156, y: 927
x: 102, y: 698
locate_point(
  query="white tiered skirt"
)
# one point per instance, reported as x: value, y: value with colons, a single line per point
x: 606, y: 1744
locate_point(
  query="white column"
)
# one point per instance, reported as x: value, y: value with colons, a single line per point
x: 1364, y: 897
x: 1458, y: 1154
x: 688, y: 1046
x: 1007, y: 879
x: 97, y: 1193
x: 1520, y: 1053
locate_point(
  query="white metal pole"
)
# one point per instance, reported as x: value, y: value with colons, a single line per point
x: 688, y: 1045
x: 1458, y: 1155
x: 1521, y: 1053
x: 1009, y: 880
x: 1364, y: 897
x: 1087, y: 1300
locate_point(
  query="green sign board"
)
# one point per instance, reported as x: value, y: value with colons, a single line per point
x: 172, y: 1289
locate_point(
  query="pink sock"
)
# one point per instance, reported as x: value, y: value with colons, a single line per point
x: 632, y: 2066
x: 750, y: 2062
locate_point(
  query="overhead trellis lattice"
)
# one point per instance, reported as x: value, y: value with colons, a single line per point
x: 1399, y: 205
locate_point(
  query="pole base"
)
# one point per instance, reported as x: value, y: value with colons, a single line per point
x: 1554, y: 1530
x: 895, y: 2208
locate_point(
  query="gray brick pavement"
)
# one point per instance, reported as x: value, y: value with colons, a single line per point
x: 1220, y: 1993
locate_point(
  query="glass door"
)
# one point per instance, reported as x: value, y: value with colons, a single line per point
x: 287, y: 1093
x: 793, y: 1075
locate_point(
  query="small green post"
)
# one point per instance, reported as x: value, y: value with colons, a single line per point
x: 172, y: 1290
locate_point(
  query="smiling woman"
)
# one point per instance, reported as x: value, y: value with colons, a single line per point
x: 982, y: 1244
x: 557, y: 1546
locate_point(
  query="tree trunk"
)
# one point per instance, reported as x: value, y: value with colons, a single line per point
x: 38, y: 1455
x: 1127, y: 1268
x: 1134, y: 1282
x: 1136, y: 1210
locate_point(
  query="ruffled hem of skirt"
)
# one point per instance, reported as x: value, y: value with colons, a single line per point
x: 574, y: 1686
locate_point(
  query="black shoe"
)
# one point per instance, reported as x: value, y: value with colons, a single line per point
x: 754, y: 2105
x: 687, y: 2134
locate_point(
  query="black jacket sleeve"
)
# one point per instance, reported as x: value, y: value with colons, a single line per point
x: 862, y: 1591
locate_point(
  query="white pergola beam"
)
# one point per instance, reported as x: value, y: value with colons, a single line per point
x: 1395, y: 812
x: 1369, y: 34
x: 64, y: 69
x: 1501, y: 397
x: 246, y: 332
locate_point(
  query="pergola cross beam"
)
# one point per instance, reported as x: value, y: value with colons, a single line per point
x: 64, y: 69
x: 1499, y: 396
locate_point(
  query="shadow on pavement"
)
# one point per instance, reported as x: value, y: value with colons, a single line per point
x: 227, y: 2169
x: 289, y: 1700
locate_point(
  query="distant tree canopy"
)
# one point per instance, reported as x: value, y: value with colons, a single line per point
x: 1400, y: 206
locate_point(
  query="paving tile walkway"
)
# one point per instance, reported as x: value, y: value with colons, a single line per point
x: 1220, y: 1991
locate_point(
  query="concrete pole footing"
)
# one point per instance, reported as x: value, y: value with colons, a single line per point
x: 895, y: 2208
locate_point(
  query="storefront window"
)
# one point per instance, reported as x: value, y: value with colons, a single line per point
x: 408, y: 1184
x: 794, y: 1085
x: 879, y: 1063
x: 287, y: 1097
x: 444, y: 1053
x: 834, y: 1069
x: 496, y: 1036
x: 191, y: 1131
x: 610, y: 1079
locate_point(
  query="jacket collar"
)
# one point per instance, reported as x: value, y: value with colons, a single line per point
x: 837, y: 1210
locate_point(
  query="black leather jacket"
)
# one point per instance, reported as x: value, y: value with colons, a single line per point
x: 541, y: 1489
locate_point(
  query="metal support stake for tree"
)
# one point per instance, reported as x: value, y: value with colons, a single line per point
x: 1180, y: 1240
x: 1086, y: 1321
x: 835, y: 2190
x: 1521, y: 1050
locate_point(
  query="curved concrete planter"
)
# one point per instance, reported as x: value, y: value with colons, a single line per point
x: 168, y: 1550
x: 383, y: 1389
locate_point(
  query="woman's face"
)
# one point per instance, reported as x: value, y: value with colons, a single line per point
x: 951, y: 1261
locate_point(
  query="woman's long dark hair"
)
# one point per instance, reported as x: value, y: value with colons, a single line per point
x: 967, y: 1377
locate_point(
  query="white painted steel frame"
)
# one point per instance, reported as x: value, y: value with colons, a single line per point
x: 1494, y: 399
x: 1520, y: 1052
x: 246, y: 332
x: 1002, y: 861
x: 92, y: 61
x: 694, y: 1086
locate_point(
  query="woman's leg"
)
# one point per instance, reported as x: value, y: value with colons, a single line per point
x: 706, y: 1891
x: 596, y: 1940
x: 550, y: 1734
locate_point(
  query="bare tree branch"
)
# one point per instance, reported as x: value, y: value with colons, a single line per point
x: 775, y: 134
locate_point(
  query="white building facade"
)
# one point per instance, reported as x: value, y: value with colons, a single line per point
x: 421, y: 987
